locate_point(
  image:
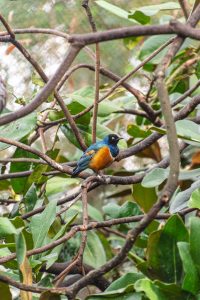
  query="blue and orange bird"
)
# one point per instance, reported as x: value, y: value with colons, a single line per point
x: 99, y: 155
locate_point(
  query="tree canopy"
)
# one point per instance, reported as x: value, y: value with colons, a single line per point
x: 73, y: 72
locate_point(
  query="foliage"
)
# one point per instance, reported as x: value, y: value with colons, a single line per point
x: 39, y: 204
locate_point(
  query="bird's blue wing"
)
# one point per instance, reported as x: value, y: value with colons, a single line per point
x: 85, y: 159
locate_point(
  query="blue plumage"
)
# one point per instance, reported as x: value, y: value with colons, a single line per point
x: 110, y: 141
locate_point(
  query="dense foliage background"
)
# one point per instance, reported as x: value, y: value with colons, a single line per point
x: 41, y: 232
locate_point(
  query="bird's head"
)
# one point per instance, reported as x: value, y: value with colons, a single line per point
x: 112, y: 139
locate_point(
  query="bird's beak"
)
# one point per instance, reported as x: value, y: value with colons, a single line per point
x: 120, y: 138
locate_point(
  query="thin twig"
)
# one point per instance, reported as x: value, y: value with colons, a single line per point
x: 85, y: 4
x: 185, y: 8
x: 141, y: 101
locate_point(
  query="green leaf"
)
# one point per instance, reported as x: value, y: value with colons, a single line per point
x: 114, y: 9
x: 144, y: 197
x: 92, y: 250
x: 195, y: 241
x: 191, y: 279
x: 194, y: 200
x: 74, y: 108
x: 198, y: 70
x: 155, y: 177
x: 156, y: 290
x: 180, y: 201
x: 85, y: 97
x: 41, y: 223
x: 37, y: 80
x: 6, y: 227
x: 143, y: 14
x: 5, y: 291
x: 136, y: 132
x: 59, y: 184
x: 30, y: 198
x: 112, y: 210
x: 125, y: 280
x: 163, y: 257
x: 140, y: 17
x: 128, y: 209
x: 151, y: 44
x: 18, y: 184
x: 186, y: 130
x: 18, y: 129
x: 126, y: 293
x: 20, y: 248
x: 56, y: 251
x: 37, y: 176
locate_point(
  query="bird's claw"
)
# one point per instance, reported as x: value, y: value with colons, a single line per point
x: 104, y: 178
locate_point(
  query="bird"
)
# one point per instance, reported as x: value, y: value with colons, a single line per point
x: 98, y: 155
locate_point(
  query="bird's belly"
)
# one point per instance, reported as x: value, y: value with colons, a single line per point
x: 101, y: 159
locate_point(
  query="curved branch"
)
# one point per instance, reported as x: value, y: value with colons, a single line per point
x: 46, y: 90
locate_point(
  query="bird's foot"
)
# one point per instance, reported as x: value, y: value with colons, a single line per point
x: 103, y: 178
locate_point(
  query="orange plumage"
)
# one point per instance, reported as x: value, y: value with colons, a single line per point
x: 101, y: 159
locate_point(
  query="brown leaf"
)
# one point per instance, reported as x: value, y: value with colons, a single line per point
x: 10, y: 49
x: 152, y: 151
x: 195, y: 160
x: 27, y: 279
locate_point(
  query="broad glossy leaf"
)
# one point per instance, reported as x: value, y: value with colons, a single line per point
x: 129, y: 209
x: 114, y: 9
x: 163, y: 257
x: 125, y: 280
x: 156, y: 290
x: 41, y: 223
x: 74, y: 108
x: 18, y: 184
x: 30, y: 198
x: 155, y: 177
x: 6, y: 227
x: 151, y: 10
x: 77, y: 208
x: 144, y: 197
x: 56, y: 251
x: 180, y: 201
x: 18, y: 129
x: 112, y: 210
x: 126, y: 293
x: 186, y: 130
x: 20, y: 248
x: 37, y: 176
x: 151, y: 44
x: 85, y: 97
x: 136, y: 132
x: 59, y: 184
x: 92, y: 251
x: 194, y: 199
x: 195, y: 241
x: 191, y: 279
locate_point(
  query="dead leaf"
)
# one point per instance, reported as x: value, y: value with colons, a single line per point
x: 152, y: 151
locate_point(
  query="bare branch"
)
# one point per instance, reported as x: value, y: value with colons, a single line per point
x: 185, y: 8
x: 85, y: 4
x: 46, y: 90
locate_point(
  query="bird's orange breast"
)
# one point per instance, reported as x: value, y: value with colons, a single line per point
x: 101, y: 159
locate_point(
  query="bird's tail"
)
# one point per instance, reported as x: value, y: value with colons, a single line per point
x: 76, y: 171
